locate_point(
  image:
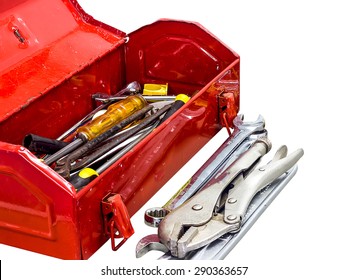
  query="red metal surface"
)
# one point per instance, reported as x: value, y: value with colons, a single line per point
x: 144, y: 170
x: 48, y: 87
x: 37, y: 207
x: 59, y: 57
x: 184, y: 54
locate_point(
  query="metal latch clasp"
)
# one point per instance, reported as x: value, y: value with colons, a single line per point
x: 117, y: 222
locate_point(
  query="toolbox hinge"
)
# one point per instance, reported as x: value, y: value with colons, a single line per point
x: 117, y: 222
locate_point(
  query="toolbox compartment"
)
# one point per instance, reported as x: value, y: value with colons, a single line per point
x: 50, y: 65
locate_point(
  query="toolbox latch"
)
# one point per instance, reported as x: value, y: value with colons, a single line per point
x: 228, y: 97
x: 227, y: 110
x: 117, y: 222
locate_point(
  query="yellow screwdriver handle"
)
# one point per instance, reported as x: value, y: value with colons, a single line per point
x: 114, y: 114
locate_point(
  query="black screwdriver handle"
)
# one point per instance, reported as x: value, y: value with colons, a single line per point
x: 180, y: 100
x: 39, y: 144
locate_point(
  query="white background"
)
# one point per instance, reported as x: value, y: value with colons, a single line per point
x: 293, y: 72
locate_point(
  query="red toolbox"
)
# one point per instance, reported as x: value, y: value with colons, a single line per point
x: 51, y: 63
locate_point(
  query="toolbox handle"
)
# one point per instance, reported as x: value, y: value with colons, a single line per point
x: 117, y: 219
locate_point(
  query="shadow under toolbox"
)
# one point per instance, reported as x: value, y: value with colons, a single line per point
x: 50, y: 65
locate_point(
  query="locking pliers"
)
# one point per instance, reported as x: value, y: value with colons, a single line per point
x: 220, y: 207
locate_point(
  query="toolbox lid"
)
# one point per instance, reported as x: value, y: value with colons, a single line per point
x: 44, y: 43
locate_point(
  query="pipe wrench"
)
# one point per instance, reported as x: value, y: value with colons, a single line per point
x: 220, y: 208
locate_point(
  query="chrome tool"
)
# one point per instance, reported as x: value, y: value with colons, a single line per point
x: 221, y: 207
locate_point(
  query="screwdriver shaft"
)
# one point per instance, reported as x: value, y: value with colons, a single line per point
x: 64, y: 151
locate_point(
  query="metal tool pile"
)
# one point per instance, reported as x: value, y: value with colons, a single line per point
x: 210, y: 214
x: 207, y: 218
x: 106, y: 134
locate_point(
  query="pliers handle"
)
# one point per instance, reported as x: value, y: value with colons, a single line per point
x: 197, y: 222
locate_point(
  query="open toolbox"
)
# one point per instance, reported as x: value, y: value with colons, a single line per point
x: 50, y: 65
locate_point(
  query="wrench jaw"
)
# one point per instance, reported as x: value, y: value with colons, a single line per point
x: 196, y: 218
x: 149, y: 243
x: 257, y: 125
x: 221, y: 204
x: 244, y: 132
x: 239, y: 198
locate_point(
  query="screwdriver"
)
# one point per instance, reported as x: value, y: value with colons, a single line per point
x: 104, y: 98
x: 114, y: 114
x: 40, y: 144
x: 131, y: 88
x: 63, y: 165
x: 180, y: 100
x: 106, y: 148
x: 86, y: 175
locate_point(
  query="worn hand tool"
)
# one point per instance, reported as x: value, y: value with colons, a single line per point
x: 63, y: 165
x: 242, y: 131
x: 101, y: 154
x: 222, y: 246
x: 132, y: 88
x: 149, y: 243
x: 105, y: 98
x: 106, y: 148
x: 243, y: 136
x: 44, y: 145
x: 226, y: 153
x: 86, y: 175
x: 114, y: 114
x: 155, y: 215
x: 209, y: 214
x: 180, y: 100
x: 158, y: 109
x: 187, y: 245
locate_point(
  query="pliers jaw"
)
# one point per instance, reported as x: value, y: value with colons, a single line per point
x: 196, y: 223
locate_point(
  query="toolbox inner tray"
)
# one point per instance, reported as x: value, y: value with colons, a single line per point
x: 50, y: 65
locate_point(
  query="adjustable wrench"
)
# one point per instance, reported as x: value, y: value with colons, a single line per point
x: 239, y: 141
